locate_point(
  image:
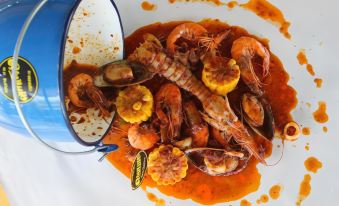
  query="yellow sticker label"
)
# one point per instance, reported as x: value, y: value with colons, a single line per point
x: 26, y: 80
x: 138, y: 169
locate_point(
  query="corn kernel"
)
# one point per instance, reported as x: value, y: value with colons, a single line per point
x: 137, y: 106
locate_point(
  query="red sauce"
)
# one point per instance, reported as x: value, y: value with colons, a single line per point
x: 310, y: 69
x: 155, y: 199
x: 147, y: 6
x: 304, y: 189
x: 318, y: 82
x: 196, y: 185
x: 263, y: 199
x: 268, y: 11
x: 320, y: 114
x: 312, y: 164
x: 302, y: 59
x: 76, y: 50
x: 275, y: 192
x: 245, y: 203
x: 306, y: 131
x: 232, y: 4
x: 325, y: 129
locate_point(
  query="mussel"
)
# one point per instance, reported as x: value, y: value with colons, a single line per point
x: 120, y: 74
x: 258, y: 115
x: 217, y: 162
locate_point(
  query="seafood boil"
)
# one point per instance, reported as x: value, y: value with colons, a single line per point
x: 193, y: 98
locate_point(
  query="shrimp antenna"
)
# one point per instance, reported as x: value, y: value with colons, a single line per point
x: 119, y: 129
x: 212, y: 43
x: 250, y: 66
x: 281, y: 154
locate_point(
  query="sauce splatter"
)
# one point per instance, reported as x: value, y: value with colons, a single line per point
x: 155, y: 199
x: 245, y: 203
x: 232, y: 4
x: 147, y: 6
x: 306, y: 131
x: 307, y: 146
x: 76, y: 50
x: 308, y: 104
x: 263, y: 199
x: 318, y: 82
x: 320, y: 114
x: 325, y: 129
x: 275, y: 192
x: 312, y: 164
x: 304, y: 189
x: 310, y: 69
x: 302, y: 59
x: 268, y: 11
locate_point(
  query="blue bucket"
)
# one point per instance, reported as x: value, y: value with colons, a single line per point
x: 37, y: 39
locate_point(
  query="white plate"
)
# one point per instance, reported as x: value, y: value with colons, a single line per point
x: 33, y: 176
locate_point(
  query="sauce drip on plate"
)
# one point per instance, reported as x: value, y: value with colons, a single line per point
x: 232, y: 4
x: 304, y: 189
x: 263, y: 199
x: 306, y: 131
x: 268, y: 11
x: 302, y: 59
x: 245, y: 203
x: 155, y: 199
x: 325, y: 129
x: 320, y: 114
x: 312, y: 164
x: 275, y: 192
x: 147, y: 6
x: 318, y: 82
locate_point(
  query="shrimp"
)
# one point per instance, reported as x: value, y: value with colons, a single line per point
x: 219, y: 112
x: 197, y: 127
x: 83, y: 93
x: 141, y: 137
x: 168, y: 108
x: 198, y: 39
x: 190, y: 31
x: 188, y: 51
x: 243, y: 51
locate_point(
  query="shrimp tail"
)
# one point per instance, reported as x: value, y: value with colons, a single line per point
x: 98, y: 98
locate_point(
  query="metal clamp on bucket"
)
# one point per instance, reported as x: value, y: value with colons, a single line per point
x: 46, y: 37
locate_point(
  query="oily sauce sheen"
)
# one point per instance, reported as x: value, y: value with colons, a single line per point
x: 196, y: 185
